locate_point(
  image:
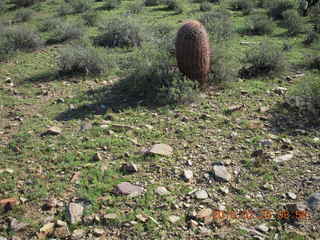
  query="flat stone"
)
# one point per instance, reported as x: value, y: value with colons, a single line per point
x: 161, y: 149
x: 201, y: 194
x: 16, y: 225
x: 110, y: 216
x: 127, y: 188
x: 314, y: 201
x: 129, y: 168
x: 283, y: 158
x: 262, y: 228
x: 221, y: 173
x: 142, y: 217
x: 75, y: 212
x: 187, y: 174
x: 162, y: 191
x: 98, y: 232
x: 204, y: 213
x: 48, y: 228
x: 292, y: 195
x: 173, y: 219
x: 78, y: 234
x: 54, y: 131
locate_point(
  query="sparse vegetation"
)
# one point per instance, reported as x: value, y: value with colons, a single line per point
x: 246, y: 6
x: 278, y: 7
x: 66, y: 31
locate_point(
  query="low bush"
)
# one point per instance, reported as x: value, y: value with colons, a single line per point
x: 175, y: 5
x: 111, y: 4
x: 64, y: 9
x: 259, y: 24
x: 18, y: 38
x: 278, y: 7
x: 218, y: 23
x: 80, y: 6
x: 305, y: 97
x: 293, y: 22
x: 79, y: 59
x: 246, y: 6
x: 266, y: 59
x: 24, y: 3
x: 311, y: 37
x: 205, y: 6
x: 23, y: 15
x: 2, y: 6
x: 120, y: 32
x: 155, y: 81
x: 150, y: 3
x: 136, y: 7
x: 66, y: 31
x: 90, y: 18
x: 313, y: 62
x: 49, y: 24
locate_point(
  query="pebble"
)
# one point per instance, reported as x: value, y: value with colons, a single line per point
x: 127, y: 188
x: 292, y: 195
x: 162, y: 191
x: 262, y: 228
x: 283, y: 158
x: 201, y: 194
x: 173, y: 219
x: 98, y: 232
x: 221, y: 173
x: 187, y: 174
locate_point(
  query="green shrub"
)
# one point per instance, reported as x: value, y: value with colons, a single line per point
x: 80, y: 6
x: 259, y: 24
x: 66, y: 31
x: 277, y: 7
x: 305, y: 97
x: 64, y: 9
x: 18, y: 38
x: 90, y: 18
x: 120, y: 32
x: 266, y: 59
x: 24, y: 3
x: 49, y: 24
x: 218, y: 23
x: 150, y: 3
x: 313, y: 62
x: 246, y: 6
x: 175, y: 5
x: 80, y: 59
x: 293, y: 22
x: 136, y: 7
x: 222, y: 68
x: 111, y: 4
x: 2, y: 6
x: 205, y: 7
x: 311, y: 37
x: 23, y: 15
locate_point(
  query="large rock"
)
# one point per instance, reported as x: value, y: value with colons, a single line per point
x: 314, y: 201
x: 75, y: 212
x: 221, y: 173
x: 161, y: 149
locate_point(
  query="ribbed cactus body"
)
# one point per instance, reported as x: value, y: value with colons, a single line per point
x: 193, y: 51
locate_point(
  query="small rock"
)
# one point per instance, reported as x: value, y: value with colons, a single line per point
x: 187, y: 174
x: 98, y: 232
x: 268, y: 186
x: 234, y: 135
x: 283, y: 158
x: 173, y: 219
x: 47, y: 229
x: 62, y: 232
x: 316, y: 140
x: 97, y: 157
x: 292, y: 195
x: 266, y: 142
x: 142, y: 218
x: 17, y: 226
x: 264, y: 109
x: 204, y: 213
x: 78, y: 234
x: 129, y: 168
x: 221, y: 173
x: 201, y: 194
x: 127, y: 188
x: 110, y: 216
x: 224, y: 189
x: 193, y: 223
x: 161, y: 149
x: 255, y: 124
x: 75, y: 212
x: 162, y: 191
x: 262, y: 228
x: 314, y: 201
x: 54, y: 131
x: 60, y: 223
x: 280, y: 90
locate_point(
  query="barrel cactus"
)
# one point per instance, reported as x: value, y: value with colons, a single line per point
x: 193, y: 51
